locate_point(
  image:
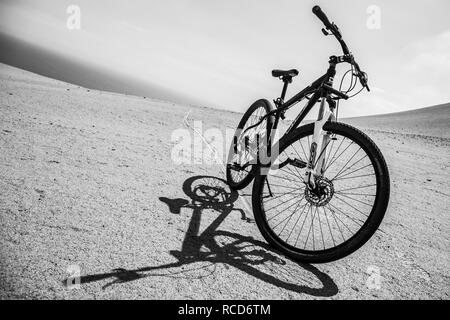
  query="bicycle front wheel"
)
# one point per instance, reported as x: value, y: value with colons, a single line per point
x: 344, y: 210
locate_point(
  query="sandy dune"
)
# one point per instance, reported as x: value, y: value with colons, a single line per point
x: 87, y: 180
x: 427, y: 122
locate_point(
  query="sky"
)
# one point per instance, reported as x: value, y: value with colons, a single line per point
x: 219, y: 53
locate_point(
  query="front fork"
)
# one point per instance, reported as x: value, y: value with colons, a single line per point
x: 316, y: 163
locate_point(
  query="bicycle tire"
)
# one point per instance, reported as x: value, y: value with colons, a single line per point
x: 367, y: 229
x: 247, y: 179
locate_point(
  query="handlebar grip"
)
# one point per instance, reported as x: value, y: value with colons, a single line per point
x: 321, y: 15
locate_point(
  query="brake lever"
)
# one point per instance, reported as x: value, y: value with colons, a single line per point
x: 364, y: 80
x: 363, y: 77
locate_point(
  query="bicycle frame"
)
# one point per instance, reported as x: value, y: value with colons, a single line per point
x: 322, y: 89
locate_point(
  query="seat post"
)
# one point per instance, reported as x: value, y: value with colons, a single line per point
x: 286, y: 81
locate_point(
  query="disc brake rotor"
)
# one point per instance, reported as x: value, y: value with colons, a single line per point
x: 322, y: 194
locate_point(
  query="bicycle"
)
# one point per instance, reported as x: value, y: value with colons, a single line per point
x: 338, y: 188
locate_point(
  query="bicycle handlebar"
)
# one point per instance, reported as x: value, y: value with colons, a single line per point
x: 335, y: 31
x: 330, y: 26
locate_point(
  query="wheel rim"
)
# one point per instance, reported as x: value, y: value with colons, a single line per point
x: 246, y: 155
x: 307, y: 221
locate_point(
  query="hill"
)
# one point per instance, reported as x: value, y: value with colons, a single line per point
x: 430, y: 121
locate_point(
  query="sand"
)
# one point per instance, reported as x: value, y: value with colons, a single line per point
x: 86, y: 178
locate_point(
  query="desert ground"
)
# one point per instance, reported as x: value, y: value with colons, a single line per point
x: 89, y: 188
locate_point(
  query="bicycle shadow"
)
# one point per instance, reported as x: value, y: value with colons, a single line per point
x: 241, y: 252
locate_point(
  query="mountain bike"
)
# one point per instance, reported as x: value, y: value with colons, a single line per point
x: 320, y: 191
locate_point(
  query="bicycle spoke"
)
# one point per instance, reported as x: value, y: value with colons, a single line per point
x: 320, y: 225
x: 299, y: 157
x: 283, y: 194
x: 321, y: 152
x: 284, y: 178
x: 301, y: 145
x: 348, y: 168
x: 367, y: 204
x: 330, y: 151
x: 356, y: 170
x: 360, y: 176
x: 283, y: 203
x: 351, y: 206
x: 335, y: 220
x: 337, y: 174
x: 298, y: 219
x: 301, y: 229
x: 352, y: 219
x: 330, y: 158
x: 288, y: 172
x: 357, y: 194
x: 332, y: 211
x: 290, y: 217
x: 309, y: 231
x: 370, y: 185
x: 338, y: 156
x: 284, y: 210
x: 278, y: 185
x: 298, y: 175
x: 329, y: 227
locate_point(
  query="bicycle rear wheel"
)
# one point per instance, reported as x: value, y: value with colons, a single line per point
x: 242, y: 156
x: 338, y: 217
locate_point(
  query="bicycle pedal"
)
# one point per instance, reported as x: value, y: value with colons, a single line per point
x: 295, y: 162
x: 234, y: 167
x: 298, y: 163
x: 238, y: 167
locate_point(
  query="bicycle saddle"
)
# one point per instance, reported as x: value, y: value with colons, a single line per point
x: 282, y: 73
